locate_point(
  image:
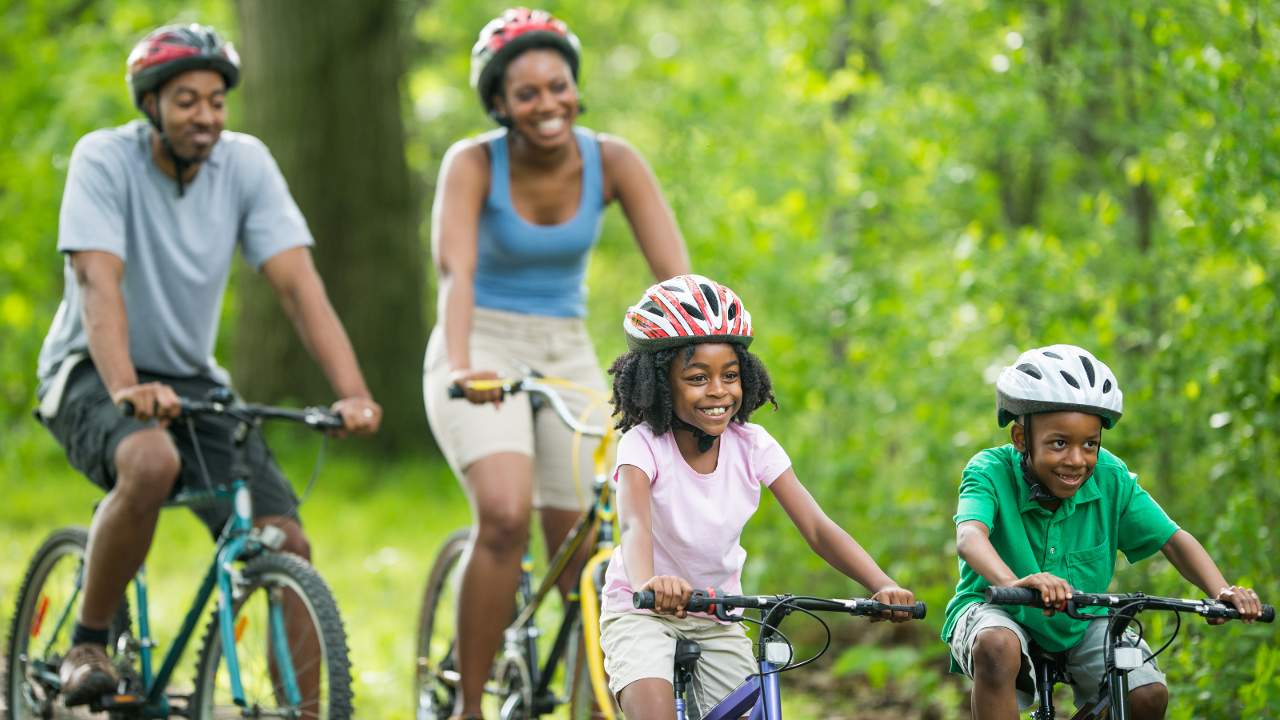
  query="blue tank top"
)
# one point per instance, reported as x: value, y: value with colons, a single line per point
x: 537, y: 269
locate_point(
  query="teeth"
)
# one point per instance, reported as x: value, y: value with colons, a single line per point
x: 714, y: 412
x: 550, y: 126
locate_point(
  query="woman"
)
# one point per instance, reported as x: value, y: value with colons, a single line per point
x: 516, y: 213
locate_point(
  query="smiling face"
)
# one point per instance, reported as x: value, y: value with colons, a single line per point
x: 1064, y: 449
x: 192, y: 112
x: 706, y: 390
x: 539, y: 97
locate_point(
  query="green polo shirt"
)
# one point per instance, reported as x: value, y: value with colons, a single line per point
x: 1077, y: 542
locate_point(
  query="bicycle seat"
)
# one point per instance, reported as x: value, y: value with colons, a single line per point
x: 687, y: 654
x: 1052, y: 664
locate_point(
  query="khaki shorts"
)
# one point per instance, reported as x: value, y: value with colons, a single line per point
x: 642, y: 645
x: 503, y: 342
x: 1085, y: 661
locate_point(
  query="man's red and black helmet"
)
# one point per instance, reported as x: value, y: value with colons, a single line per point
x: 510, y: 34
x: 174, y: 49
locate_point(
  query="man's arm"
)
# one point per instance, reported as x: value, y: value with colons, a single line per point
x: 106, y: 324
x: 973, y: 545
x: 296, y: 283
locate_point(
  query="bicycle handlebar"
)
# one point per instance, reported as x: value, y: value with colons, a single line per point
x: 1208, y: 608
x: 529, y: 384
x: 703, y: 601
x: 314, y: 417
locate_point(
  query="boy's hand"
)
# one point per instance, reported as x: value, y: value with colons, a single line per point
x: 670, y: 594
x: 1054, y: 591
x: 894, y: 595
x: 1244, y: 599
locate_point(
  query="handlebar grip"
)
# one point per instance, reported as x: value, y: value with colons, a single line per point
x: 126, y: 408
x: 643, y: 600
x: 456, y: 392
x: 1268, y: 613
x: 919, y: 611
x: 1014, y: 596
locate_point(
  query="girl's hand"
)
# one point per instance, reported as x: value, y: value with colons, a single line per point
x: 463, y: 379
x: 1244, y: 599
x: 670, y: 594
x: 1054, y: 591
x: 894, y: 595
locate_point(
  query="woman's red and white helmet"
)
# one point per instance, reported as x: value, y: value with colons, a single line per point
x: 1056, y: 378
x: 175, y: 49
x: 687, y: 309
x: 511, y: 33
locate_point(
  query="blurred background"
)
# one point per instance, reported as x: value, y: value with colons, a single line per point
x: 906, y: 193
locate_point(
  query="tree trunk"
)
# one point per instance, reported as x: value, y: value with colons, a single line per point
x: 322, y: 90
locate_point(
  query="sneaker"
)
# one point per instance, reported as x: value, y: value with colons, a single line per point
x: 86, y: 675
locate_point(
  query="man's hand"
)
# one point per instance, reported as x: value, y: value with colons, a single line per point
x: 360, y: 415
x: 151, y: 401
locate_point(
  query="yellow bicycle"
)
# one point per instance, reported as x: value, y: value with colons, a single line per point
x: 572, y: 673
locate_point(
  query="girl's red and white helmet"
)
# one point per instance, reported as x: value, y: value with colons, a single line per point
x: 511, y: 33
x: 1055, y: 378
x: 687, y: 309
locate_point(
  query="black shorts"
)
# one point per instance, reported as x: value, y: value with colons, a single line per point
x: 89, y: 427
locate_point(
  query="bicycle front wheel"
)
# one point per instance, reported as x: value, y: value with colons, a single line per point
x: 436, y: 678
x: 290, y: 644
x: 40, y: 630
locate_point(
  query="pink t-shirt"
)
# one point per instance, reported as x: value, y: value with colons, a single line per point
x: 696, y: 519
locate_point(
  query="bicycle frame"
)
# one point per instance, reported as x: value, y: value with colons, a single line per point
x: 597, y: 519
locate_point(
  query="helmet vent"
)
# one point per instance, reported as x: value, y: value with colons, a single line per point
x: 1031, y: 370
x: 1106, y: 386
x: 1070, y: 380
x: 1088, y: 369
x: 1052, y: 354
x: 712, y: 300
x: 654, y: 308
x: 732, y: 311
x: 693, y: 311
x: 672, y: 287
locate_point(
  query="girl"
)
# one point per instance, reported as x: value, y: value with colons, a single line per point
x: 516, y: 213
x: 689, y: 472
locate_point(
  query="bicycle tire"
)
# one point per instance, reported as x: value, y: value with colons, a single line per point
x: 24, y: 696
x: 266, y: 578
x: 435, y: 678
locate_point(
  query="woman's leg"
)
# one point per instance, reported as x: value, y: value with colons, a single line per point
x: 500, y: 487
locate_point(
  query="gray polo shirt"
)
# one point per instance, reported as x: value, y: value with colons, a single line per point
x: 177, y: 251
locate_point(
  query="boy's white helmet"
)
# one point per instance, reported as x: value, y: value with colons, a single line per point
x: 1058, y: 377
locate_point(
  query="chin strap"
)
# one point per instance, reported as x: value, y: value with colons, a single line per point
x: 705, y: 440
x: 1038, y: 490
x: 180, y: 164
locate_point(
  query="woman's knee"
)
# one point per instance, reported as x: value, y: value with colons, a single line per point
x: 997, y: 654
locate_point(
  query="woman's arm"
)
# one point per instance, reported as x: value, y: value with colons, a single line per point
x: 629, y: 179
x: 455, y: 222
x: 670, y: 593
x: 1193, y: 562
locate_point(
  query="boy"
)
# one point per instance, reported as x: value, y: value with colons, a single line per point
x: 1048, y: 512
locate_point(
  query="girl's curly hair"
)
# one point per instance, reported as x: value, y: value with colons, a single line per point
x: 642, y: 390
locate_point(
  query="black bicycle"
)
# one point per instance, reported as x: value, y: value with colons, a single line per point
x: 761, y: 694
x: 1112, y: 700
x: 523, y: 683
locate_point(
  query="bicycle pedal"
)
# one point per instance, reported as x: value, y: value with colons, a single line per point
x: 116, y: 702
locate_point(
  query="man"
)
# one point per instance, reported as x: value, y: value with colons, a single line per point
x: 151, y: 216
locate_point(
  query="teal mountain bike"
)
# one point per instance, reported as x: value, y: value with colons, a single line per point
x: 273, y: 648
